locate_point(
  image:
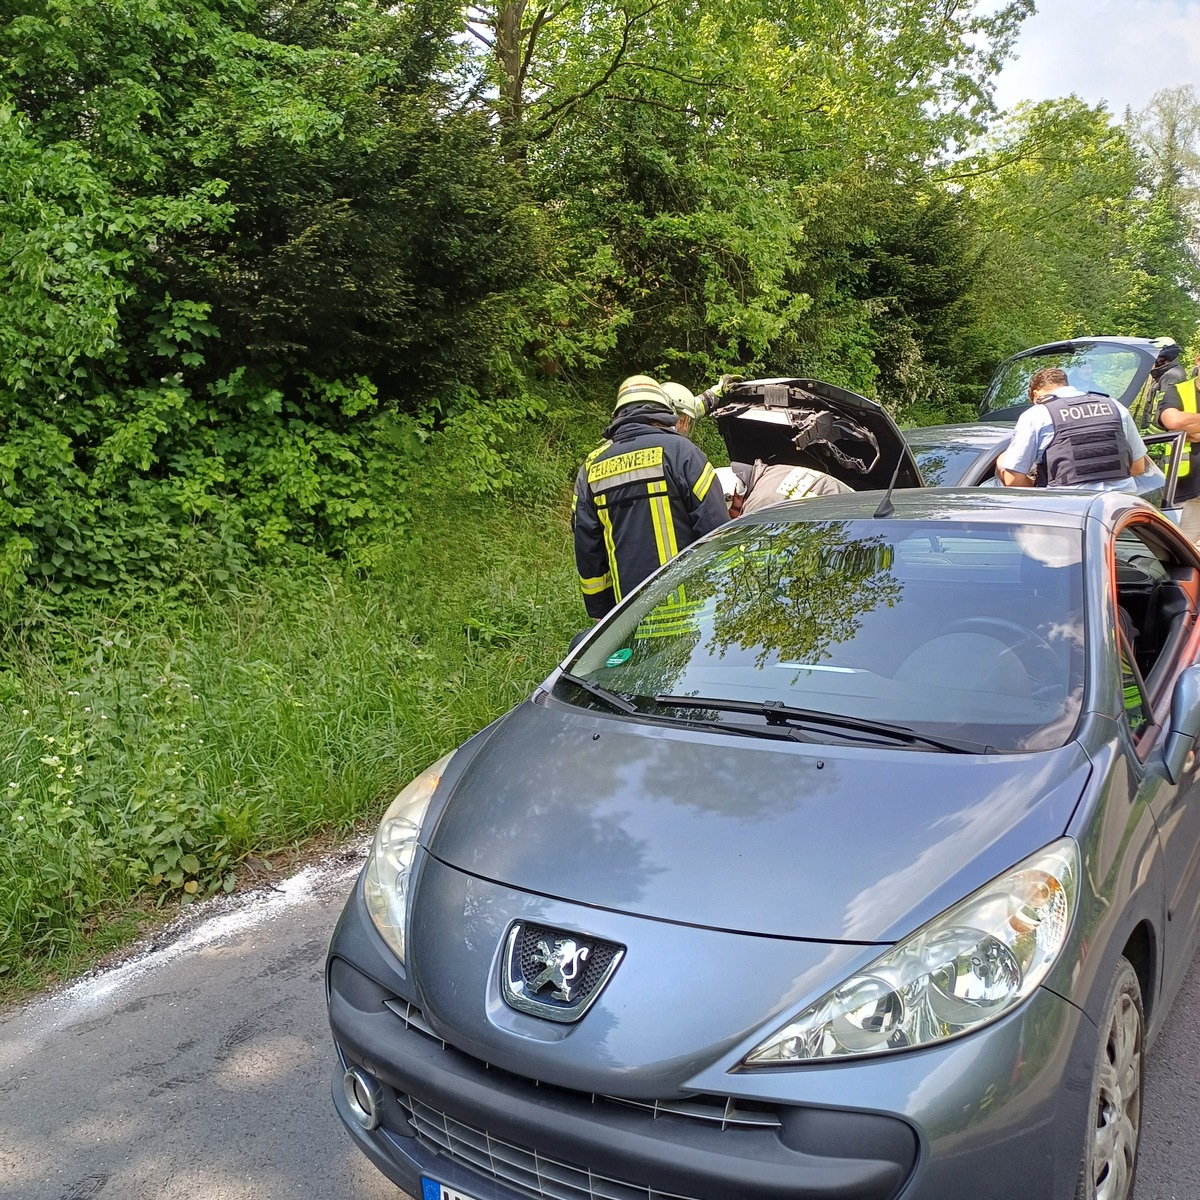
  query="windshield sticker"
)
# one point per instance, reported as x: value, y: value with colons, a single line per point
x: 618, y: 657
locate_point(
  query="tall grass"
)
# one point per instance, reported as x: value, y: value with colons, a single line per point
x: 144, y: 757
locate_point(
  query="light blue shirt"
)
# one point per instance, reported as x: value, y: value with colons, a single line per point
x: 1035, y: 431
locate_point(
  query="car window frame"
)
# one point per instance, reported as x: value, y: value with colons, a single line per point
x: 1174, y: 461
x: 1157, y: 703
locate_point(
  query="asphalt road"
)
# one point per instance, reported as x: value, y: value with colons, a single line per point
x: 200, y: 1070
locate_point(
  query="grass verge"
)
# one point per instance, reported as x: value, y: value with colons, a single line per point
x: 144, y: 758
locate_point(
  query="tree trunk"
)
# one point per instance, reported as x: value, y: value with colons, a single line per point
x: 509, y: 51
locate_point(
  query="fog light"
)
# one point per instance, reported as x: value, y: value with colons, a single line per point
x: 365, y: 1098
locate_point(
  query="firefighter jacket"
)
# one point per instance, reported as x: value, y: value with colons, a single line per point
x: 1089, y: 443
x: 640, y: 498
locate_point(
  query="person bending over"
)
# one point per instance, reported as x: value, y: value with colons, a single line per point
x: 1071, y: 438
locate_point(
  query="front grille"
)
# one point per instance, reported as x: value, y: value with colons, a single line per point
x: 725, y: 1111
x: 518, y: 1166
x: 717, y: 1110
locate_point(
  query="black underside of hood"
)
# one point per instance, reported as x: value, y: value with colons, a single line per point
x: 809, y: 423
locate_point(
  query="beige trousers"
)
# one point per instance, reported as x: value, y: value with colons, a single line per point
x: 1189, y: 520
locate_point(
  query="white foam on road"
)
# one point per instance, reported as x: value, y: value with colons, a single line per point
x: 209, y: 924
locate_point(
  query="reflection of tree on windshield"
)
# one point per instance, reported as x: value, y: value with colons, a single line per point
x: 801, y: 590
x: 786, y: 593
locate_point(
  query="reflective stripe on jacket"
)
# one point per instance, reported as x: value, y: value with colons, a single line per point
x: 639, y: 499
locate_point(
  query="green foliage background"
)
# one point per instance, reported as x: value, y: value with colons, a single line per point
x: 309, y: 307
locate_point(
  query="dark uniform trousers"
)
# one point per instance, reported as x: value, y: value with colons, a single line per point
x: 639, y: 499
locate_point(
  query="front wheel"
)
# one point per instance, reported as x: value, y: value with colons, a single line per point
x: 1115, y: 1115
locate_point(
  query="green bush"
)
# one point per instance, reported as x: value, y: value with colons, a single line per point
x: 249, y: 257
x: 147, y: 749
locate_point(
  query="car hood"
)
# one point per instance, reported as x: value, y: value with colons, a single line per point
x: 831, y: 843
x: 810, y: 423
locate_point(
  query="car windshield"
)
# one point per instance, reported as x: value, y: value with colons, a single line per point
x: 949, y: 463
x: 1114, y: 370
x: 965, y: 631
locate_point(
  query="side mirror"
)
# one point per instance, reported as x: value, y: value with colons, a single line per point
x: 577, y: 639
x: 1184, y: 725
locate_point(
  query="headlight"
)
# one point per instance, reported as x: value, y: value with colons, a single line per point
x: 385, y: 887
x: 967, y: 967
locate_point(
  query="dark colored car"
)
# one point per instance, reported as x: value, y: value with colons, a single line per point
x: 965, y: 454
x: 852, y: 856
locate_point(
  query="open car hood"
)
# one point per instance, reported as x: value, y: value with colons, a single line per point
x: 809, y: 423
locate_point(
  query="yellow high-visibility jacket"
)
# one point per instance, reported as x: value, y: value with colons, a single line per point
x: 1185, y: 392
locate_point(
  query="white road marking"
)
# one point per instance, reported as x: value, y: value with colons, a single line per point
x: 210, y: 923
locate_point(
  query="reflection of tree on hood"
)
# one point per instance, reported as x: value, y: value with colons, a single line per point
x: 793, y: 592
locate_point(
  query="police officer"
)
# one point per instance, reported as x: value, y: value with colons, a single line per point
x: 1071, y: 438
x: 640, y: 497
x: 1177, y: 413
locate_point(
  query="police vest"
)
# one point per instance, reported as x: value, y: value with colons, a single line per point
x: 1089, y: 444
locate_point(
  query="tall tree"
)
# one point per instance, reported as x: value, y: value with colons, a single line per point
x: 1073, y: 239
x: 1168, y: 132
x: 681, y: 149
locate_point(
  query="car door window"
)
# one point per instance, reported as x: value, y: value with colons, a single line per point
x: 1156, y: 590
x: 1166, y: 451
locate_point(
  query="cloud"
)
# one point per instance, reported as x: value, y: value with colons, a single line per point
x: 1117, y: 51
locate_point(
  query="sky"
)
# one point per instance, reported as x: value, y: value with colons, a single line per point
x: 1119, y: 51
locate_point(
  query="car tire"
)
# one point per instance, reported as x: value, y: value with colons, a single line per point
x: 1114, y: 1124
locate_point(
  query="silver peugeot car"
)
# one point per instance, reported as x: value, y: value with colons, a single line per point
x: 854, y: 856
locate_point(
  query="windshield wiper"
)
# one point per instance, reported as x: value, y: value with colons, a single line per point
x: 612, y: 699
x: 620, y: 704
x: 778, y: 713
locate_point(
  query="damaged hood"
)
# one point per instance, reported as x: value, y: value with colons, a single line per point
x: 808, y: 423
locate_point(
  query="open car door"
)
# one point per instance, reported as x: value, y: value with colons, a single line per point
x: 1166, y: 451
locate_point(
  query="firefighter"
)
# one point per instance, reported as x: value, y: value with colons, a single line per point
x: 1070, y: 438
x: 688, y: 408
x: 641, y: 496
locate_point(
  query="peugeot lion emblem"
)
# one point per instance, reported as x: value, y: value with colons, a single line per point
x: 554, y: 973
x: 560, y: 966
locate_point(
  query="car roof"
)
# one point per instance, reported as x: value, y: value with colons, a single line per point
x: 1063, y: 507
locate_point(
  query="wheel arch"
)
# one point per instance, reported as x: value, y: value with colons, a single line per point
x: 1141, y: 949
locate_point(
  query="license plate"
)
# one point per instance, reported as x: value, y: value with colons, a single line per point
x: 432, y: 1190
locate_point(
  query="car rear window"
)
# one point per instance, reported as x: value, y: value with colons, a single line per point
x: 965, y: 630
x: 945, y: 465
